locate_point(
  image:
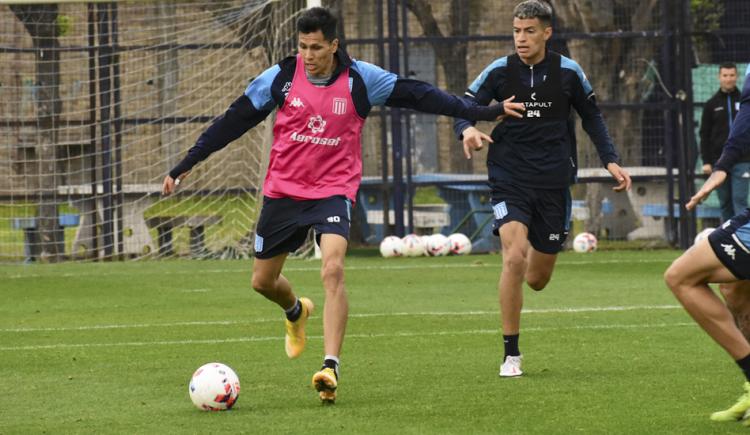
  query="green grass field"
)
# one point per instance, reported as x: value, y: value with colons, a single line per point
x: 109, y: 348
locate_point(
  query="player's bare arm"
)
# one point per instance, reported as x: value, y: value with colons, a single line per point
x: 712, y: 183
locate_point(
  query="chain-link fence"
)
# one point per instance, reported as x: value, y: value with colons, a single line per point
x: 648, y: 62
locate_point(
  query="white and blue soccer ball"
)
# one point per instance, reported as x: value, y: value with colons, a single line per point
x: 438, y: 245
x: 413, y: 245
x: 391, y: 246
x: 584, y: 242
x: 703, y: 235
x: 214, y: 387
x: 460, y: 244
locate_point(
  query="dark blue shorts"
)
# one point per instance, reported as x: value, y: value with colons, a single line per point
x: 284, y: 223
x: 731, y: 243
x: 545, y: 212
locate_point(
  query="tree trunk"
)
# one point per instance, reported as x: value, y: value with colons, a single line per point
x: 41, y: 23
x: 620, y: 64
x: 451, y: 56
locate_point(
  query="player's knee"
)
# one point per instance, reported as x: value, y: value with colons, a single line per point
x: 332, y: 271
x: 537, y: 281
x: 262, y: 284
x: 673, y: 278
x: 514, y: 259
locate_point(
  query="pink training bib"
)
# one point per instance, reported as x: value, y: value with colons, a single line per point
x: 317, y: 151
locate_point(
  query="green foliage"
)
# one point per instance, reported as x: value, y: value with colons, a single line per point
x: 64, y: 25
x: 706, y: 14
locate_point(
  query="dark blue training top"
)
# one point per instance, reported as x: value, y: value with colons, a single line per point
x: 738, y: 142
x: 370, y: 86
x: 538, y: 152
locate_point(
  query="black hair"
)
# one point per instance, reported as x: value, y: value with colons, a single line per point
x: 728, y: 65
x: 531, y: 9
x: 315, y: 19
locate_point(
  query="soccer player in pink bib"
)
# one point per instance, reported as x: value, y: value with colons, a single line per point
x: 323, y: 97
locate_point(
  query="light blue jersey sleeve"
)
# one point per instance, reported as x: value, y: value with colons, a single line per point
x: 572, y: 65
x: 259, y: 90
x: 378, y: 82
x: 482, y: 77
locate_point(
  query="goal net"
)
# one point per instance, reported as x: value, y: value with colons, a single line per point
x: 99, y: 100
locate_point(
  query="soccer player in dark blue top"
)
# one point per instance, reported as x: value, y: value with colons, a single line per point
x: 532, y: 160
x: 724, y: 258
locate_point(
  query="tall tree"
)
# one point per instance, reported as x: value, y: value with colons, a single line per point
x: 40, y: 20
x: 451, y: 56
x: 618, y: 65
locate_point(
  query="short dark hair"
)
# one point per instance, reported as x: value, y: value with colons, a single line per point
x: 315, y: 19
x: 728, y: 65
x: 531, y: 9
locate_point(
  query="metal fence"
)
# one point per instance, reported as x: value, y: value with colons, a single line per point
x: 136, y: 82
x: 652, y: 64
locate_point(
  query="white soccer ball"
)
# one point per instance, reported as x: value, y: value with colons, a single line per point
x: 413, y: 246
x: 460, y: 244
x: 584, y: 242
x: 214, y: 387
x: 703, y: 235
x: 391, y: 246
x: 438, y: 245
x: 425, y: 244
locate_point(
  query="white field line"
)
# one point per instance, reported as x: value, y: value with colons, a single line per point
x: 494, y: 262
x: 353, y: 316
x: 351, y: 336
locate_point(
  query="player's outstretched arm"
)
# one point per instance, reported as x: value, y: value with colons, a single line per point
x: 736, y: 146
x: 716, y: 178
x: 424, y: 97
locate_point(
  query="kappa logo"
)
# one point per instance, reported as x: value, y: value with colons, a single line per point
x: 296, y: 102
x: 729, y: 250
x: 317, y: 124
x: 339, y: 106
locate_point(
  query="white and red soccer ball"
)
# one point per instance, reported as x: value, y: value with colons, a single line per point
x: 438, y: 245
x: 460, y: 244
x: 214, y: 387
x: 584, y: 242
x: 391, y: 246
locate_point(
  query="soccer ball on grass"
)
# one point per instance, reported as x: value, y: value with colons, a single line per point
x: 214, y: 387
x: 584, y: 242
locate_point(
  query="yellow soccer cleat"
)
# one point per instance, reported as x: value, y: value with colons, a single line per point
x: 295, y: 339
x: 326, y: 382
x: 737, y: 411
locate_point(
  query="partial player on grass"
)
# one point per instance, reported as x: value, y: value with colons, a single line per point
x: 722, y: 258
x: 531, y: 161
x: 323, y: 97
